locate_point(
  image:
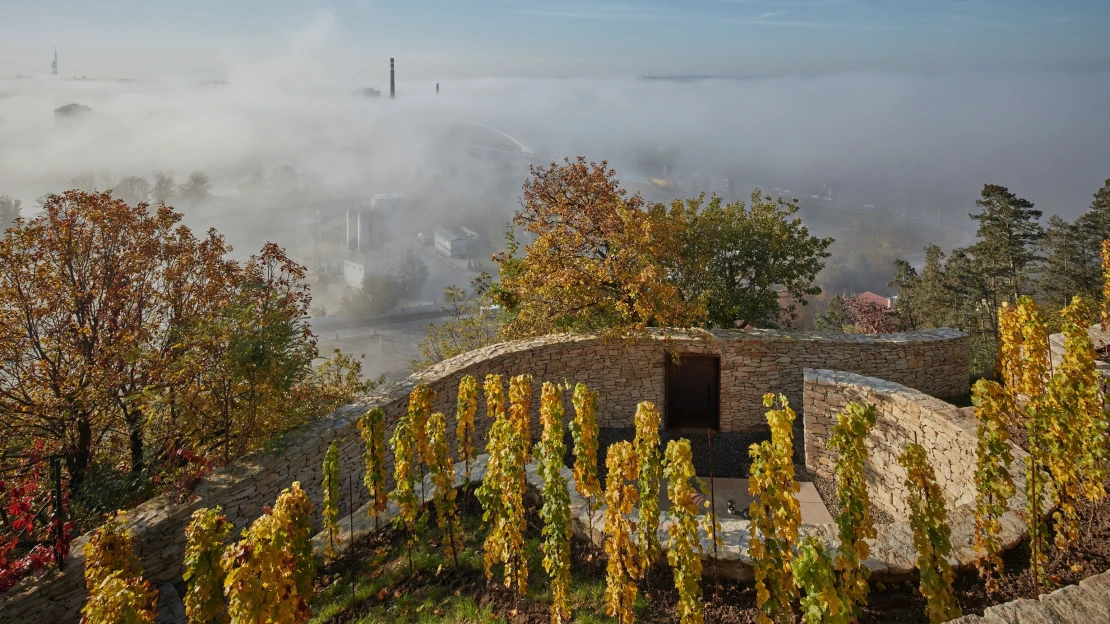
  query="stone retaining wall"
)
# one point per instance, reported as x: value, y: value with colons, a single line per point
x: 752, y: 362
x: 902, y: 416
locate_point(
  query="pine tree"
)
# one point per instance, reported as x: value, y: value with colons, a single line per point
x: 1009, y: 230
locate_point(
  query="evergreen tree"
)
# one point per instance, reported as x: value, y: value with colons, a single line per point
x: 837, y: 318
x: 1071, y: 265
x: 907, y: 306
x: 1008, y: 233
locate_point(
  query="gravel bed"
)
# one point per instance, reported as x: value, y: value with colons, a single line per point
x: 730, y: 459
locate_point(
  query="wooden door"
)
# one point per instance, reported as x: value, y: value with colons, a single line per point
x: 693, y: 398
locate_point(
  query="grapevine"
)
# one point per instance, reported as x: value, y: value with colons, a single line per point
x: 420, y: 407
x: 931, y: 535
x: 815, y: 574
x: 330, y: 510
x: 775, y: 514
x: 684, y: 547
x: 404, y: 448
x: 1075, y: 425
x: 520, y: 410
x: 622, y: 569
x: 372, y: 428
x: 204, y: 577
x: 294, y: 511
x: 443, y: 476
x: 502, y: 492
x: 1030, y: 333
x: 583, y: 431
x: 646, y: 446
x: 261, y: 586
x: 464, y: 430
x: 557, y: 531
x: 854, y: 523
x: 113, y: 578
x: 993, y: 483
x: 1105, y: 284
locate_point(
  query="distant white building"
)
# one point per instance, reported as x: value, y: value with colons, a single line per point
x: 354, y: 272
x: 450, y: 244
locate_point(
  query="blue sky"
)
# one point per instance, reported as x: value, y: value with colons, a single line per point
x: 472, y: 38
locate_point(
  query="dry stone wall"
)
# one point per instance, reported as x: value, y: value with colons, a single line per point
x: 752, y: 362
x: 902, y: 416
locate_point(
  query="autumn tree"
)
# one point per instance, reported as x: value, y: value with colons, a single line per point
x: 594, y: 264
x: 603, y: 261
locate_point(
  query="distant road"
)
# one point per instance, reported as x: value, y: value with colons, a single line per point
x: 418, y: 313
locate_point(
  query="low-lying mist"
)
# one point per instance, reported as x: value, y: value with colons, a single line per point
x: 919, y: 145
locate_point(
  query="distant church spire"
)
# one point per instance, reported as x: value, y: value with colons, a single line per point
x: 54, y: 65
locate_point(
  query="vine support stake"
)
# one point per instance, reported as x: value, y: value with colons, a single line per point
x: 713, y: 512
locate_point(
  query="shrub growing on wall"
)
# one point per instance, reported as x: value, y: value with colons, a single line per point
x: 205, y: 539
x: 931, y: 535
x: 467, y: 406
x: 557, y: 531
x: 684, y: 548
x: 443, y: 476
x: 854, y: 524
x: 113, y: 578
x: 330, y: 510
x: 775, y: 514
x: 372, y: 428
x: 646, y: 445
x: 623, y: 567
x: 583, y: 431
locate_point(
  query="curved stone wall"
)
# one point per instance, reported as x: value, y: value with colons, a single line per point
x: 625, y: 372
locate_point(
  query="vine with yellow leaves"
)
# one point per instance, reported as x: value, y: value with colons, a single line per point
x: 502, y: 489
x: 623, y: 566
x: 646, y: 445
x: 443, y: 477
x: 854, y: 523
x: 775, y: 514
x: 205, y: 542
x: 420, y: 407
x: 684, y: 547
x: 466, y: 408
x: 330, y: 509
x: 557, y: 531
x: 931, y: 535
x: 824, y: 601
x: 583, y: 431
x: 1076, y: 440
x: 114, y: 578
x: 372, y: 428
x: 406, y: 454
x: 994, y: 484
x: 270, y: 571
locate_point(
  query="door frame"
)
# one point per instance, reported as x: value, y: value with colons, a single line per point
x: 667, y: 363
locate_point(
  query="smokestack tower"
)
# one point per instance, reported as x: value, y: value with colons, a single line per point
x: 392, y: 84
x: 437, y: 88
x: 54, y: 65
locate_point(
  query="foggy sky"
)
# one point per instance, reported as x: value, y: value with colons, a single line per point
x: 928, y: 140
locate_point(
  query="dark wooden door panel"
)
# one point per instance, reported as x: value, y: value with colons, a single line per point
x: 693, y: 392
